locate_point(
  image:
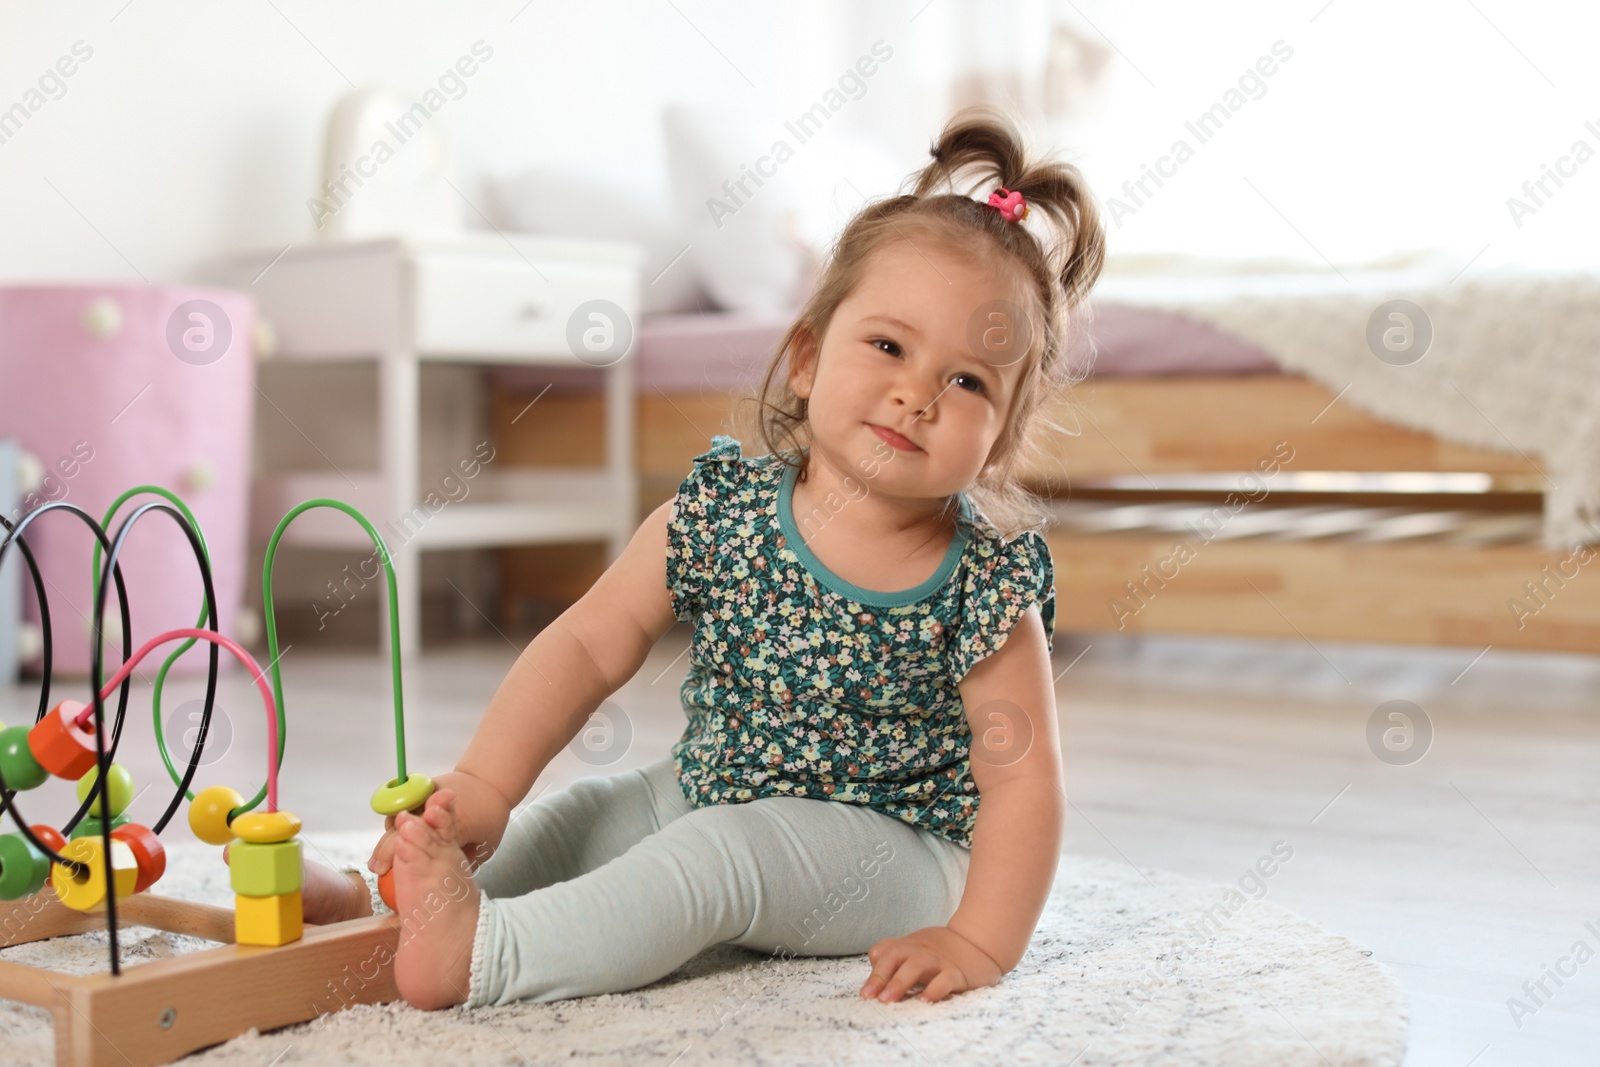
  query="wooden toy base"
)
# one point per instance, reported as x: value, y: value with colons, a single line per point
x: 154, y: 1013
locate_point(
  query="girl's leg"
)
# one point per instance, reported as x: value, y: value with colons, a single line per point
x: 839, y: 878
x: 793, y: 875
x: 586, y: 825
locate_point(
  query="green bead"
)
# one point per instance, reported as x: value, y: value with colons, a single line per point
x: 17, y: 765
x: 264, y: 870
x: 397, y: 796
x: 121, y: 783
x: 23, y: 868
x: 90, y: 827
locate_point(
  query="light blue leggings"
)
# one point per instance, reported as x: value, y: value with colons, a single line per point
x: 614, y: 882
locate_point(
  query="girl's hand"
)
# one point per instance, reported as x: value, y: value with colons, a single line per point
x: 936, y: 957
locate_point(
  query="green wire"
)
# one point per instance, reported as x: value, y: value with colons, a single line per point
x: 166, y: 666
x: 394, y: 624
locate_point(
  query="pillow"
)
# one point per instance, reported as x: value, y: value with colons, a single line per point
x: 569, y: 203
x: 756, y: 244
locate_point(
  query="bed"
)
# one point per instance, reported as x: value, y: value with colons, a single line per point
x: 1372, y: 528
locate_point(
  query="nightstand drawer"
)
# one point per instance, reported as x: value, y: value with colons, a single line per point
x: 514, y: 308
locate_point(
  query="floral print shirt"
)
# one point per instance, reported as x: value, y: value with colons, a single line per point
x: 803, y: 684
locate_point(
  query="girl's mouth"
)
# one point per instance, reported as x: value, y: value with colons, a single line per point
x: 893, y: 439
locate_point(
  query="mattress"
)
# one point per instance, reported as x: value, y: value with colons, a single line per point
x: 728, y: 352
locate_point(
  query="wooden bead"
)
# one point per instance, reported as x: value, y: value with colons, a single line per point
x: 209, y: 811
x: 50, y: 836
x: 17, y: 765
x: 266, y: 827
x: 386, y: 888
x: 271, y: 921
x: 23, y: 868
x: 120, y: 786
x: 397, y: 796
x: 86, y: 890
x: 257, y: 870
x: 60, y: 745
x: 148, y: 852
x: 91, y: 828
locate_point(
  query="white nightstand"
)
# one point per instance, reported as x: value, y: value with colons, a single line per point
x: 476, y: 298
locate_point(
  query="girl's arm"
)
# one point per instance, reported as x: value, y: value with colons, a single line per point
x: 556, y: 683
x: 1009, y: 699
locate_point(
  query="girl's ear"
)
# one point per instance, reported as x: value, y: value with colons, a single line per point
x: 803, y: 364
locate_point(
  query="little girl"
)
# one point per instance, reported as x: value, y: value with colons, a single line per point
x: 871, y: 762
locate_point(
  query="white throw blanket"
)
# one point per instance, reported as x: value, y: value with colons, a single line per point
x: 1514, y: 363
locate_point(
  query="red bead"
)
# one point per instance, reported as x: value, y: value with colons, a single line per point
x: 50, y: 837
x: 148, y: 852
x: 60, y: 745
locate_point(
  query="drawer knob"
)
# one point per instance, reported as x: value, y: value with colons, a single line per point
x: 532, y: 311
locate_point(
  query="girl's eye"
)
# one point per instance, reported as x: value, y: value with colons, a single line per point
x: 975, y: 384
x: 883, y: 344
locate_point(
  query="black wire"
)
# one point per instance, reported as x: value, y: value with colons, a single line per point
x: 97, y: 658
x: 211, y: 676
x: 8, y: 800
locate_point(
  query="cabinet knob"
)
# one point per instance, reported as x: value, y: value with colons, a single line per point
x: 30, y: 472
x: 102, y: 318
x: 264, y: 340
x: 30, y: 642
x: 531, y: 310
x: 200, y: 476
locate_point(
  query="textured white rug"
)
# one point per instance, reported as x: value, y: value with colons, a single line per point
x: 1127, y: 967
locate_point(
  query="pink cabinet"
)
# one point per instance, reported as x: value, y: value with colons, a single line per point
x: 112, y: 387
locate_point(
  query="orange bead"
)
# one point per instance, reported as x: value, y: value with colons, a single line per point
x: 60, y: 745
x: 147, y: 850
x: 386, y: 888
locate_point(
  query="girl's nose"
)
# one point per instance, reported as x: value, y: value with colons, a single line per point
x: 918, y: 395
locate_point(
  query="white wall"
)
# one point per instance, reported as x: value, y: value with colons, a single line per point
x: 195, y: 128
x: 1394, y: 126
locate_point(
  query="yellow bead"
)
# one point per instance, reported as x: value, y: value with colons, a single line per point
x: 271, y: 921
x: 264, y: 870
x: 86, y: 891
x: 397, y: 796
x: 208, y: 813
x: 266, y: 827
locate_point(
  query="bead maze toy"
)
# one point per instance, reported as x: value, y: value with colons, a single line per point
x: 271, y: 969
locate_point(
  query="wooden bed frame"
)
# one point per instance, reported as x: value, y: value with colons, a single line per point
x: 1149, y: 430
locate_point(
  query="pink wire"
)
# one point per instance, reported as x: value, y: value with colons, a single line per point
x: 84, y: 717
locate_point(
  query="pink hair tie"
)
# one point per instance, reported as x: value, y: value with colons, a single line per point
x: 1010, y: 204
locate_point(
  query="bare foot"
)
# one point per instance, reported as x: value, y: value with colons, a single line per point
x: 438, y: 906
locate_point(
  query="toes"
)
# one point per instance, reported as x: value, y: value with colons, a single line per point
x: 440, y: 813
x: 416, y: 833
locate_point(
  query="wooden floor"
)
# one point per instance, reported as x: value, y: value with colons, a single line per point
x: 1467, y: 872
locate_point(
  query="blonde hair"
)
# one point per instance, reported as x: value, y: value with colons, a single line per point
x: 981, y: 148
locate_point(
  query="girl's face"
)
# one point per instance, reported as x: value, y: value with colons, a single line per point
x: 915, y: 376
